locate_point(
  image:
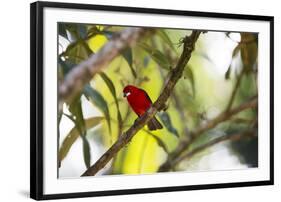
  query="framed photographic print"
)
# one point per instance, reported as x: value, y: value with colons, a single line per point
x: 135, y: 100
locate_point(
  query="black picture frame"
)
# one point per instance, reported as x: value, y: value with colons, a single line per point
x: 37, y: 98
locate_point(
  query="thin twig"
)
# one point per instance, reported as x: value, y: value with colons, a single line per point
x: 231, y: 137
x: 186, y: 142
x: 235, y: 89
x: 176, y: 73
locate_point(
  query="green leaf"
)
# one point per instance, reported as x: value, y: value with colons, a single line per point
x: 93, y: 31
x: 234, y: 53
x: 111, y: 87
x: 76, y: 109
x: 157, y: 56
x: 62, y: 30
x: 86, y: 151
x: 145, y: 61
x: 87, y: 48
x: 97, y: 99
x: 128, y: 56
x: 82, y: 31
x: 189, y: 74
x: 166, y: 120
x: 165, y: 37
x: 159, y: 141
x: 66, y: 65
x: 77, y: 31
x: 236, y: 50
x: 109, y: 84
x: 227, y: 73
x: 77, y: 52
x: 74, y: 134
x: 247, y: 86
x: 108, y: 34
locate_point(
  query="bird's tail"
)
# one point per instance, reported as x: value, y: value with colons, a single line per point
x: 154, y: 124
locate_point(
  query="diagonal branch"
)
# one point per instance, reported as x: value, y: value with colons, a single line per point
x: 82, y: 73
x: 185, y: 143
x: 231, y: 137
x: 235, y: 90
x: 174, y: 76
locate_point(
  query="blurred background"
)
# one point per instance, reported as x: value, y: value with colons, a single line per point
x: 221, y: 64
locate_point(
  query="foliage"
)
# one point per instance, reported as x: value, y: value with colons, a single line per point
x: 196, y: 98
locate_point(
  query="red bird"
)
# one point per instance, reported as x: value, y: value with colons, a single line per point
x: 140, y: 103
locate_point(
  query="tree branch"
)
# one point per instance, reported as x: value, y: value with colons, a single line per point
x: 186, y: 142
x: 235, y: 89
x: 232, y: 137
x: 174, y: 76
x: 82, y: 73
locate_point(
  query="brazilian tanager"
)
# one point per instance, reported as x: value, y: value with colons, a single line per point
x: 140, y: 102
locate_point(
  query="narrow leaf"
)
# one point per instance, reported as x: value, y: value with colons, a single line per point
x: 165, y: 37
x: 97, y: 99
x: 227, y: 73
x: 76, y: 109
x: 82, y: 31
x: 236, y: 50
x: 93, y: 31
x: 159, y: 141
x: 111, y: 87
x: 74, y: 134
x: 86, y: 151
x: 145, y: 61
x: 66, y: 65
x: 189, y: 74
x: 109, y: 84
x: 157, y: 56
x: 108, y: 34
x: 72, y: 30
x: 166, y: 120
x: 62, y: 30
x: 78, y: 31
x: 234, y: 53
x: 75, y: 52
x: 128, y: 56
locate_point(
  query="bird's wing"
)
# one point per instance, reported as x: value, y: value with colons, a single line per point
x: 146, y: 95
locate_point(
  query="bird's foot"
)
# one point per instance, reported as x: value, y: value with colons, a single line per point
x: 137, y: 119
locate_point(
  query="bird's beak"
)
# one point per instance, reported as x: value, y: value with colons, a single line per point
x: 126, y: 94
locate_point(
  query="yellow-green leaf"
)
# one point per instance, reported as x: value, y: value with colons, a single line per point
x: 86, y: 151
x: 159, y: 141
x: 98, y: 100
x: 128, y: 56
x: 77, y: 52
x: 111, y: 87
x: 166, y: 120
x: 109, y: 84
x: 189, y: 74
x: 157, y: 56
x: 165, y: 37
x: 74, y: 134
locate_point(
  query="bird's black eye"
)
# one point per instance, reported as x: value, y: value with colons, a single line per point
x: 126, y: 94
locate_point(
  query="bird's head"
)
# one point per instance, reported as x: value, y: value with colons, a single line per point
x: 128, y: 90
